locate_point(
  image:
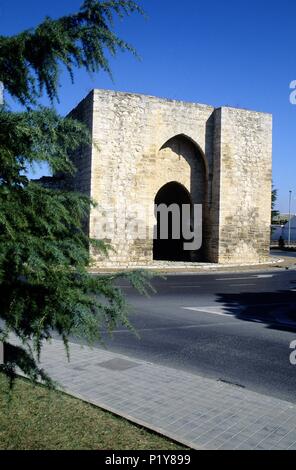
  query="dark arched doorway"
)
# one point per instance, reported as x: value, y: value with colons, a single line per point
x: 170, y: 249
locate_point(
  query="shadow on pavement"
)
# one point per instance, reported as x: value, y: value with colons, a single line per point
x: 275, y: 309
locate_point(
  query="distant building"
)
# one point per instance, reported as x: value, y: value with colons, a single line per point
x: 283, y: 230
x: 281, y: 219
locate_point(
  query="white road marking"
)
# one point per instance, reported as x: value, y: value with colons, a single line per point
x: 234, y: 278
x: 255, y: 276
x: 264, y: 276
x: 168, y: 328
x: 234, y: 285
x: 179, y: 285
x: 212, y: 310
x: 222, y: 311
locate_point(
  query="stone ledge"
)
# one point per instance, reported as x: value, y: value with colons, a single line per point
x: 200, y: 268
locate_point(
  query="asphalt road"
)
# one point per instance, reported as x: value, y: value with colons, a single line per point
x: 231, y: 327
x: 280, y: 253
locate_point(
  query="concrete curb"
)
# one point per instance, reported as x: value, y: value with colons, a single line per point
x: 286, y: 263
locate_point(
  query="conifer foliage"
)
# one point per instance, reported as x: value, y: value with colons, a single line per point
x: 45, y: 285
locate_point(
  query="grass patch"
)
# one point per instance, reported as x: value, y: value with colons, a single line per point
x: 36, y: 418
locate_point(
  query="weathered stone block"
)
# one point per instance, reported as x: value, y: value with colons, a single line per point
x: 220, y: 157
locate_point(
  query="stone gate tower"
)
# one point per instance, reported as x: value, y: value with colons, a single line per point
x: 148, y: 150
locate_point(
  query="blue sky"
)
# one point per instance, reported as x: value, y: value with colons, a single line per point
x: 237, y: 53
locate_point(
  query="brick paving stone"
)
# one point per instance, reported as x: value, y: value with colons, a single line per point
x: 199, y: 412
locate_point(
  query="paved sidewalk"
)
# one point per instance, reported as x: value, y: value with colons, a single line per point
x: 201, y: 413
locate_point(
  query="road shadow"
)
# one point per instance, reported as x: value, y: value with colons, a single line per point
x: 277, y: 310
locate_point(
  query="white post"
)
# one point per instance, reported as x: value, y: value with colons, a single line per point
x: 290, y: 197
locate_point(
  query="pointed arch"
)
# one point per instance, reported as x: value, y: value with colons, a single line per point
x: 172, y: 194
x: 185, y: 138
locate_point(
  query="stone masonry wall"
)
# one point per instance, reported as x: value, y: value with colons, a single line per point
x: 82, y: 158
x: 245, y: 185
x: 140, y: 143
x: 132, y: 162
